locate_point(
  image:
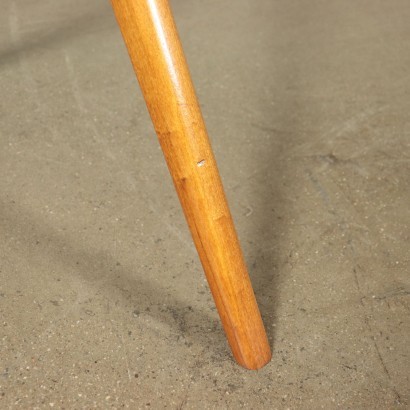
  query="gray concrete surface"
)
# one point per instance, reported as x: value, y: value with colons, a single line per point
x: 102, y: 298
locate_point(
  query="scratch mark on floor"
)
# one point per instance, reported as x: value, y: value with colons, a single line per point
x: 367, y: 323
x: 319, y: 188
x: 350, y: 125
x: 72, y: 76
x: 126, y: 355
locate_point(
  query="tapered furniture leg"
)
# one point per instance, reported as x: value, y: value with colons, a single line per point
x: 150, y: 35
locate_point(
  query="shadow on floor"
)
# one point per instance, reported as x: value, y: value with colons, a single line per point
x: 106, y: 276
x: 26, y: 40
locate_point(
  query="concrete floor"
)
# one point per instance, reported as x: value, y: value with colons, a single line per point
x: 103, y: 301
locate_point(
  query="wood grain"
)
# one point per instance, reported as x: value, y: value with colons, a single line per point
x: 155, y: 50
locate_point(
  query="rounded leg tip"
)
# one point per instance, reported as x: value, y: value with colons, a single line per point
x: 255, y: 362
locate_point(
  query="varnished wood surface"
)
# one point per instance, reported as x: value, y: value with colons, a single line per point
x: 152, y: 41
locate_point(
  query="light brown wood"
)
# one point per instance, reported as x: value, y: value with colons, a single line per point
x: 150, y: 35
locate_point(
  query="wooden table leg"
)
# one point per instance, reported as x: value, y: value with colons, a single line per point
x: 150, y: 34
